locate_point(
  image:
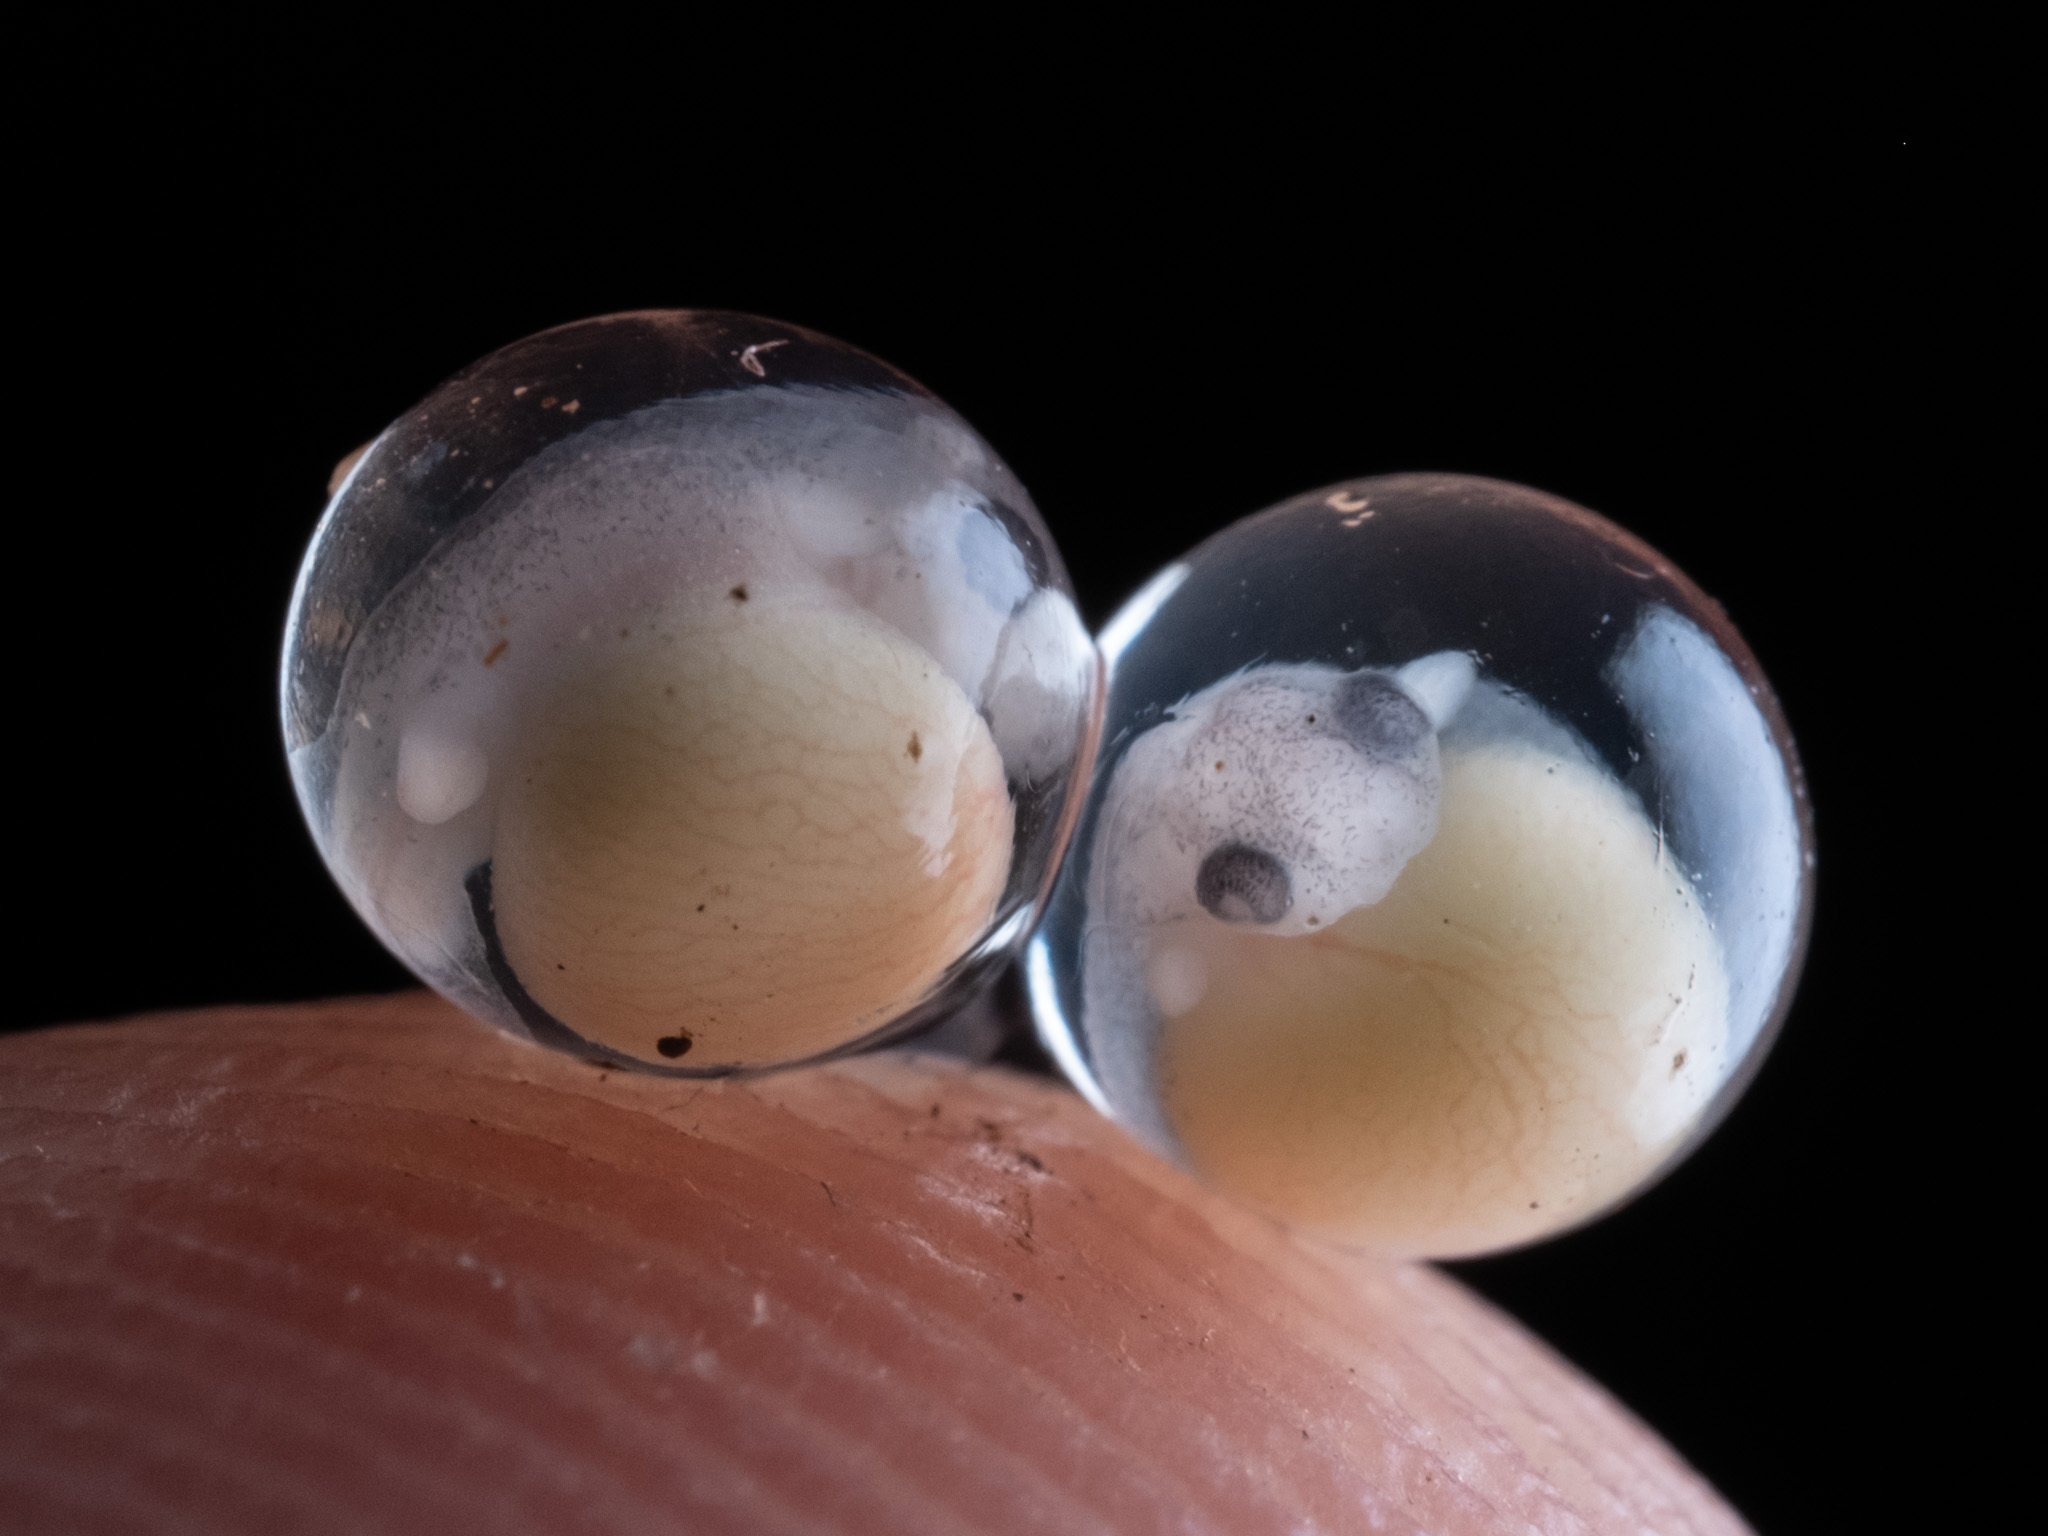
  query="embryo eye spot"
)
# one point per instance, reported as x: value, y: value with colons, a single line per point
x: 1378, y: 715
x: 1241, y: 884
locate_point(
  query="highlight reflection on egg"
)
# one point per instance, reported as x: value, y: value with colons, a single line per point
x: 1446, y: 873
x: 687, y: 689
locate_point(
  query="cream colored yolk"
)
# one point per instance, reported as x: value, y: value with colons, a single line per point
x: 1524, y: 1028
x: 762, y: 829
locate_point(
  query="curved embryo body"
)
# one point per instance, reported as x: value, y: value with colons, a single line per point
x: 1406, y: 962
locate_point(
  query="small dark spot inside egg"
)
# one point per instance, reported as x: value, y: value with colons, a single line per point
x: 1678, y: 1061
x: 1378, y: 716
x: 495, y: 652
x: 1242, y: 884
x: 1016, y: 1295
x: 916, y: 747
x: 738, y: 593
x: 700, y: 908
x: 672, y: 1046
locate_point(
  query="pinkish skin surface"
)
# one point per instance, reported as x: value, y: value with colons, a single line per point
x: 368, y: 1267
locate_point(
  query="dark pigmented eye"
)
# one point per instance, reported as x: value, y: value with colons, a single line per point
x: 1378, y: 714
x: 1242, y: 884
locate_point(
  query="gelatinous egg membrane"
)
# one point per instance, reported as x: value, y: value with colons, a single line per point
x: 1395, y: 954
x: 711, y: 722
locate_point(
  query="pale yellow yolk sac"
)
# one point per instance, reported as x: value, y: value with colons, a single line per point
x: 746, y: 833
x: 1526, y: 1026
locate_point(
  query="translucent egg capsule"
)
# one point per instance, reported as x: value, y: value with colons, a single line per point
x: 688, y: 690
x: 1445, y: 874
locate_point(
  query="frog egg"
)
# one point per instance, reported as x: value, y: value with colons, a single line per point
x: 690, y: 691
x: 1446, y: 872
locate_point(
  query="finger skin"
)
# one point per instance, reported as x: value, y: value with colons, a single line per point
x: 369, y: 1267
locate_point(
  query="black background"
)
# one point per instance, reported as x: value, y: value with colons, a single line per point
x: 1163, y: 324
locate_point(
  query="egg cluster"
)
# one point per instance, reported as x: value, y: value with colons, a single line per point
x: 695, y: 692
